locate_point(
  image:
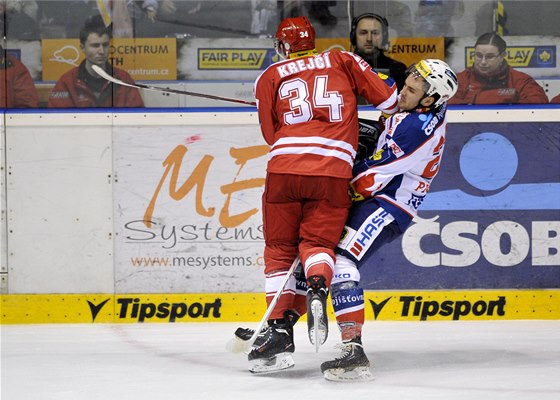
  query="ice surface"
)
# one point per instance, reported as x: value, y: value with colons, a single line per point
x: 510, y: 360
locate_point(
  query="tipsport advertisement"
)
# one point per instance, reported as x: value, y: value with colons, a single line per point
x: 491, y: 219
x: 187, y: 210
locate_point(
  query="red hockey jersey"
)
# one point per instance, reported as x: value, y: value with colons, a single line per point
x: 307, y: 110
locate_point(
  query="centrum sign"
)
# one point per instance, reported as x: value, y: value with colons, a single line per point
x: 142, y: 58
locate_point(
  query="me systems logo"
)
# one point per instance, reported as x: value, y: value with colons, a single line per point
x: 416, y: 306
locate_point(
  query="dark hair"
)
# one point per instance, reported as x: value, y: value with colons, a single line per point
x: 94, y: 24
x: 384, y: 27
x: 493, y: 39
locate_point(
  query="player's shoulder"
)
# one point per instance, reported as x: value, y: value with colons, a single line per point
x: 272, y: 69
x: 343, y: 55
x: 419, y: 122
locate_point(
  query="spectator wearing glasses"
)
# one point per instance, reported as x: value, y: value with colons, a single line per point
x: 491, y: 80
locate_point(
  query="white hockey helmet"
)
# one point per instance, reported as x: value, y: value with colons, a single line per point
x: 441, y: 78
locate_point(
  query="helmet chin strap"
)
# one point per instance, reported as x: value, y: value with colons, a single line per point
x: 280, y: 49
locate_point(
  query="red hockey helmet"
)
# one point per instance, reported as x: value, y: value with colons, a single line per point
x: 293, y: 35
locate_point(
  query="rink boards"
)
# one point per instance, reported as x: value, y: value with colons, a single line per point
x: 432, y: 305
x: 155, y: 216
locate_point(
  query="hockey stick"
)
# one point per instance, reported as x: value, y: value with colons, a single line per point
x: 108, y: 77
x: 238, y: 345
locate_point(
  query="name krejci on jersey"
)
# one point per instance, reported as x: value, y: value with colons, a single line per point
x: 320, y: 61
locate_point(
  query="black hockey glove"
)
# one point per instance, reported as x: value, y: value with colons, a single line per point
x: 367, y: 138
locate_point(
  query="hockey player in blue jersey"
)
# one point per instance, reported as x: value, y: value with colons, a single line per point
x: 388, y: 188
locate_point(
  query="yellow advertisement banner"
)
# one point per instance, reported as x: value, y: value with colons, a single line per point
x: 142, y: 58
x: 522, y: 56
x: 231, y: 307
x: 406, y: 50
x: 332, y: 44
x: 238, y: 59
x: 411, y: 50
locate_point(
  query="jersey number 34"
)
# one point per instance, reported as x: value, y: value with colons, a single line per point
x: 301, y: 106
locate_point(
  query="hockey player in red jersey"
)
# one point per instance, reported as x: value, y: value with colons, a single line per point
x: 388, y: 187
x: 307, y: 107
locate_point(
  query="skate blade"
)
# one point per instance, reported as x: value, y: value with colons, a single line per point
x: 277, y: 363
x: 342, y: 375
x: 317, y: 334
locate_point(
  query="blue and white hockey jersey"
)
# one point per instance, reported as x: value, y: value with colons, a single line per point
x: 407, y: 158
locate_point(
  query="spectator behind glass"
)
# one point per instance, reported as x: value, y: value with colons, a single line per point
x: 17, y: 89
x: 129, y: 18
x: 492, y: 81
x: 369, y: 36
x: 82, y: 87
x: 18, y: 20
x: 319, y: 11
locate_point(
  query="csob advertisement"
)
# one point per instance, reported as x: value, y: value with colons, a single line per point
x: 188, y: 199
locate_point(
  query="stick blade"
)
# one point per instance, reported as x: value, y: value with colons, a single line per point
x: 237, y: 345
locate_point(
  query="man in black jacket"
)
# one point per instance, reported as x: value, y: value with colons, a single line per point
x: 369, y: 36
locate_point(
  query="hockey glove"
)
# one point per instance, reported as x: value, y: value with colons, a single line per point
x: 355, y: 196
x: 363, y: 186
x: 382, y: 119
x: 368, y: 134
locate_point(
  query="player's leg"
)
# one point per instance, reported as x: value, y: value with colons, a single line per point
x: 324, y: 215
x: 348, y: 303
x: 299, y: 308
x: 281, y: 219
x: 368, y: 228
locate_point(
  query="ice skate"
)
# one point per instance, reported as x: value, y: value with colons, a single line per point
x: 317, y: 322
x: 247, y: 333
x: 275, y: 351
x: 352, y: 365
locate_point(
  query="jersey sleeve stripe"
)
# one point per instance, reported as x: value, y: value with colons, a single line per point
x: 389, y: 106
